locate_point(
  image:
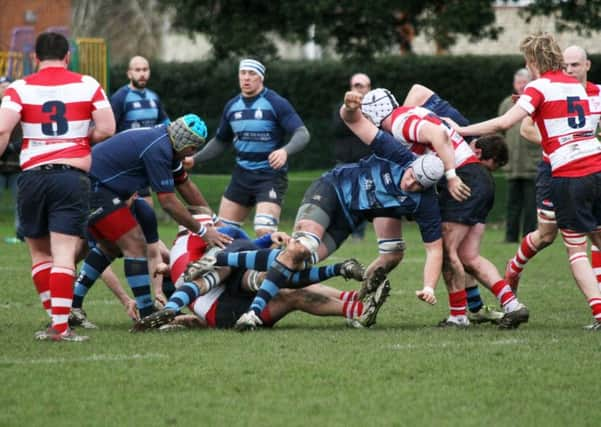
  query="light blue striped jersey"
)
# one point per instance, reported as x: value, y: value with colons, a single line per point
x: 371, y: 188
x: 137, y: 108
x: 257, y: 126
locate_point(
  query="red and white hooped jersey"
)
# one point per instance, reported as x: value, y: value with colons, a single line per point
x: 594, y: 95
x: 205, y: 305
x: 186, y: 248
x: 406, y: 122
x: 56, y: 108
x: 566, y: 117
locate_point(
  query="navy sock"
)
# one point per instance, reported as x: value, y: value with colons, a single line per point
x: 474, y: 300
x: 136, y: 273
x: 92, y: 267
x: 276, y: 278
x: 168, y: 286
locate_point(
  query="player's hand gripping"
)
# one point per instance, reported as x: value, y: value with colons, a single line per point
x: 214, y: 238
x: 458, y: 189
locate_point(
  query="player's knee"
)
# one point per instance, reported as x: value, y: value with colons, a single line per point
x: 547, y: 236
x: 307, y: 247
x: 265, y: 223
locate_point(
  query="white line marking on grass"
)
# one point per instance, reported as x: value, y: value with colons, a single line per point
x: 510, y: 341
x: 92, y: 358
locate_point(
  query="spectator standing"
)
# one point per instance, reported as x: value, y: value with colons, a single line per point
x: 55, y: 107
x: 256, y: 121
x: 348, y: 148
x: 520, y: 170
x: 9, y: 166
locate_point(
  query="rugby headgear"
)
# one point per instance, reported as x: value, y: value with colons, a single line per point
x: 187, y: 131
x: 252, y: 65
x: 428, y: 169
x: 377, y: 104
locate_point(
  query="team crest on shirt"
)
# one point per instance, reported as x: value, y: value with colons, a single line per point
x: 136, y: 105
x: 368, y: 184
x: 238, y: 115
x: 152, y: 103
x: 258, y: 114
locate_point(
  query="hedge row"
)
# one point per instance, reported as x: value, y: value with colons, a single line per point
x: 474, y: 84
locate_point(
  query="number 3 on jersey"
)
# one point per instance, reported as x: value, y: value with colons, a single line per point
x: 58, y: 124
x: 574, y: 106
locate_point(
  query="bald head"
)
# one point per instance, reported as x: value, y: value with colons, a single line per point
x: 576, y: 63
x: 138, y: 72
x: 360, y: 83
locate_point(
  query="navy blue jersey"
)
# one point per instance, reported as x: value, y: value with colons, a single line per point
x: 135, y: 159
x: 257, y: 126
x: 371, y: 188
x: 137, y: 108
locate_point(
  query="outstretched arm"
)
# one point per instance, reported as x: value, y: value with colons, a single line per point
x: 498, y: 124
x: 350, y: 112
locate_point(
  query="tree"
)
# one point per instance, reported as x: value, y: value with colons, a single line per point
x: 355, y: 28
x: 582, y: 16
x: 131, y: 27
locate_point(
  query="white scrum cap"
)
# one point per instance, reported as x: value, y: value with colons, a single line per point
x: 428, y: 169
x: 377, y: 104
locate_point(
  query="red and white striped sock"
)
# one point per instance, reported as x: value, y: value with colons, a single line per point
x: 458, y: 302
x: 525, y: 253
x: 40, y: 274
x: 61, y: 293
x: 595, y: 304
x: 352, y: 309
x: 346, y: 296
x: 505, y: 295
x: 596, y: 263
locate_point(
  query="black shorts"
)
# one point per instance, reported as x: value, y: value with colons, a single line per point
x: 321, y: 205
x: 577, y: 202
x: 543, y: 187
x: 144, y: 192
x: 54, y: 200
x: 248, y: 188
x: 233, y: 302
x: 476, y: 208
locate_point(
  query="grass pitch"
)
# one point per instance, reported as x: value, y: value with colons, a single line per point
x: 310, y: 371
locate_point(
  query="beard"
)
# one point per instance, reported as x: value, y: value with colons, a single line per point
x: 138, y: 84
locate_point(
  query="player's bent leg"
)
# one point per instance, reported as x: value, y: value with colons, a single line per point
x: 531, y: 245
x: 391, y: 248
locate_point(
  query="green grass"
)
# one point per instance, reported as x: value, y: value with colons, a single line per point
x: 309, y: 371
